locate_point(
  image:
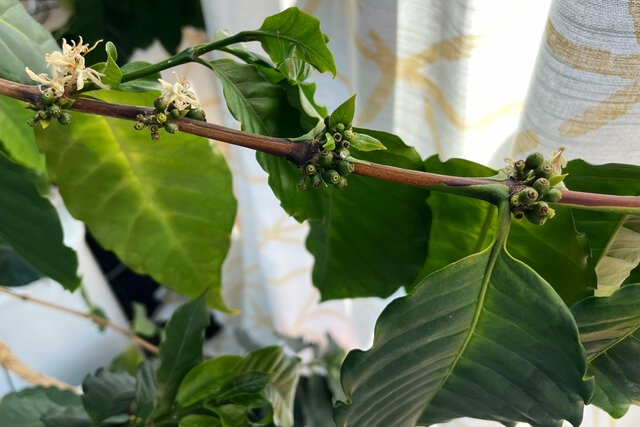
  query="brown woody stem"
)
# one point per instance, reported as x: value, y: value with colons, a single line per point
x: 300, y: 152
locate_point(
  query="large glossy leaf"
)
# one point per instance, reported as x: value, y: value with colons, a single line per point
x: 463, y: 226
x: 17, y: 139
x: 29, y: 224
x: 23, y: 43
x: 180, y: 351
x: 610, y: 332
x: 13, y: 270
x: 165, y: 208
x: 374, y: 235
x: 291, y: 37
x: 470, y: 342
x: 146, y: 387
x: 107, y: 394
x: 27, y: 407
x: 614, y: 238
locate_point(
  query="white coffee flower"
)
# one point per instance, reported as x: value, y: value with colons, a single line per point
x: 558, y: 162
x: 178, y: 93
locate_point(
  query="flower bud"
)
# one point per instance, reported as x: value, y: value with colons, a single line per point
x: 138, y: 125
x: 540, y: 208
x: 342, y: 183
x: 515, y: 200
x: 545, y: 170
x: 331, y: 176
x: 340, y: 127
x: 154, y: 128
x: 54, y: 110
x: 345, y: 144
x: 171, y: 128
x: 528, y: 196
x: 160, y: 104
x: 348, y: 134
x: 41, y: 115
x: 48, y: 97
x: 310, y: 170
x: 65, y: 118
x: 535, y: 218
x: 325, y: 158
x: 155, y: 136
x: 344, y: 167
x: 161, y: 118
x: 197, y: 114
x: 553, y: 195
x: 542, y: 186
x: 534, y: 160
x: 337, y: 136
x: 519, y: 165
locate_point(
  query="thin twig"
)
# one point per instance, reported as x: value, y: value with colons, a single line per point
x: 301, y: 152
x: 96, y: 319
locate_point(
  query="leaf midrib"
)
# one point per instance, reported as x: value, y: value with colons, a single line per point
x: 613, y: 343
x: 290, y: 39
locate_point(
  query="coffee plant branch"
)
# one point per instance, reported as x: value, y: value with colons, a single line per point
x: 301, y: 152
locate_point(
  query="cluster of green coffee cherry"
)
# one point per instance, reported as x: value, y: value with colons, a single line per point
x: 330, y: 166
x: 49, y: 107
x: 160, y: 117
x: 531, y: 198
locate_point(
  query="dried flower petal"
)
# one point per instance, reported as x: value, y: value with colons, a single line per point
x: 178, y: 93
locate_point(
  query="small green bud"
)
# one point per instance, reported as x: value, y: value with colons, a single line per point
x: 545, y: 170
x: 171, y: 128
x: 316, y: 181
x: 515, y: 200
x: 344, y: 153
x: 534, y: 160
x: 348, y: 134
x: 54, y: 110
x: 197, y: 114
x: 310, y: 170
x: 331, y: 176
x: 519, y: 165
x: 340, y: 127
x: 48, y: 97
x: 518, y: 214
x: 139, y: 125
x: 551, y: 213
x: 30, y: 106
x: 161, y: 118
x: 65, y: 118
x: 174, y: 114
x: 528, y: 196
x: 344, y: 167
x: 154, y: 128
x: 342, y: 184
x: 553, y: 195
x: 41, y: 115
x: 542, y: 186
x: 337, y: 136
x: 540, y: 208
x: 155, y: 136
x: 160, y: 104
x: 325, y: 158
x: 32, y: 122
x: 535, y: 218
x: 345, y: 144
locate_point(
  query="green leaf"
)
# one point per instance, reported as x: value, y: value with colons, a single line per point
x: 166, y: 208
x: 469, y: 342
x: 610, y: 332
x: 180, y: 351
x: 241, y: 52
x: 146, y: 387
x: 30, y: 225
x: 463, y: 226
x: 364, y: 142
x: 199, y: 421
x: 128, y: 361
x: 358, y: 220
x: 330, y: 144
x: 144, y: 84
x: 233, y: 415
x: 107, y: 394
x: 71, y: 416
x: 27, y: 407
x: 112, y: 72
x: 555, y: 180
x: 291, y: 37
x: 23, y: 43
x: 207, y: 379
x: 315, y: 401
x: 14, y: 271
x: 614, y: 239
x: 141, y: 323
x: 344, y: 114
x: 17, y: 139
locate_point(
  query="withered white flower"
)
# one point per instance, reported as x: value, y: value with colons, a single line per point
x: 509, y: 169
x: 68, y: 67
x: 178, y: 93
x: 558, y: 162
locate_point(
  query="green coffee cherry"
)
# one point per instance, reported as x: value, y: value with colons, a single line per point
x: 535, y: 218
x: 171, y: 128
x: 154, y: 128
x: 518, y: 214
x: 41, y: 115
x: 331, y: 176
x: 197, y: 114
x: 528, y: 196
x: 310, y: 170
x: 48, y: 97
x: 344, y: 167
x: 540, y: 208
x: 534, y: 160
x: 325, y: 158
x: 337, y: 136
x: 545, y: 170
x: 65, y: 118
x: 54, y: 111
x: 161, y: 118
x: 160, y: 104
x: 553, y: 195
x: 348, y: 134
x: 515, y: 200
x: 340, y: 127
x: 542, y: 186
x: 345, y: 144
x: 316, y: 181
x: 342, y: 184
x: 519, y: 165
x: 155, y: 136
x: 174, y: 114
x: 139, y: 125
